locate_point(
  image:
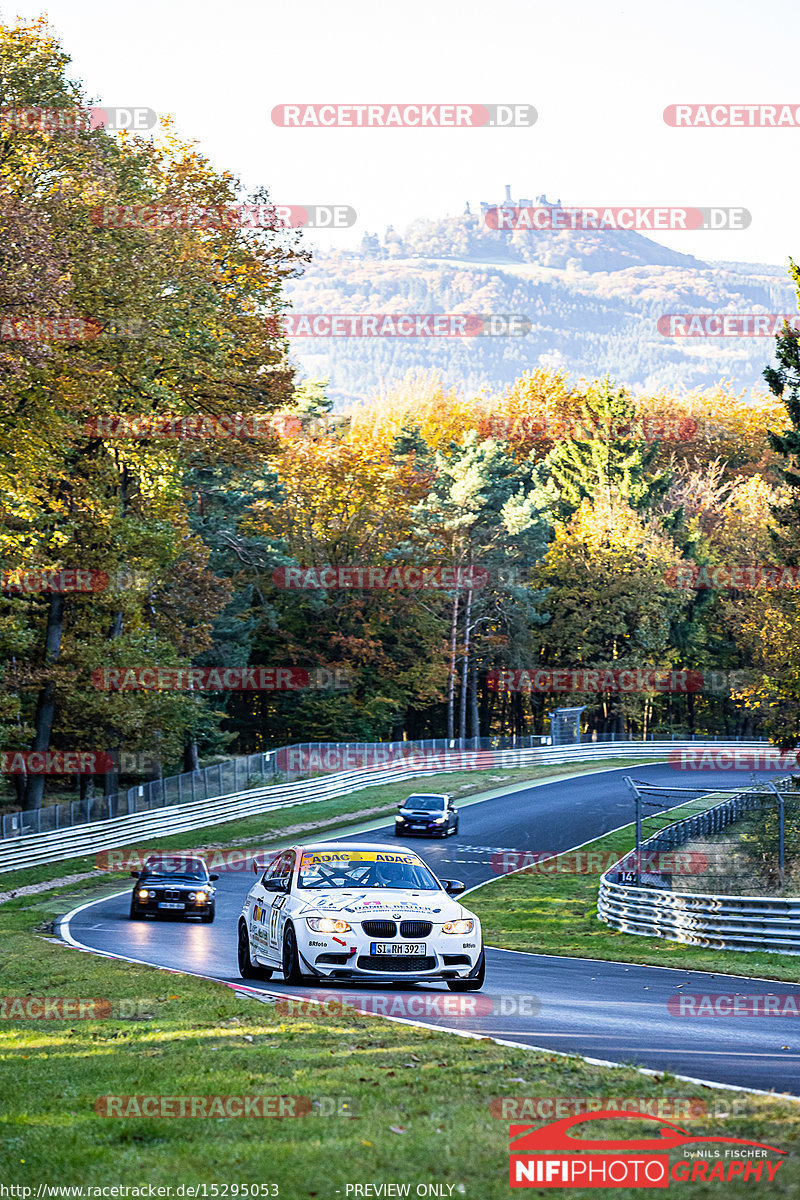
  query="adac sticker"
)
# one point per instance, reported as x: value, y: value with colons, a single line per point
x: 316, y: 858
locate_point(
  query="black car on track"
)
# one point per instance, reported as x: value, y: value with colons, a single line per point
x: 174, y: 885
x: 426, y: 814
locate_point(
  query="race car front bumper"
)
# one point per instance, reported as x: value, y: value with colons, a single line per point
x: 354, y: 960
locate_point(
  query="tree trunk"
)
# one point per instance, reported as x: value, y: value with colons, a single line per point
x: 46, y: 703
x: 451, y: 685
x: 462, y: 715
x: 87, y: 794
x: 474, y: 723
x: 191, y: 758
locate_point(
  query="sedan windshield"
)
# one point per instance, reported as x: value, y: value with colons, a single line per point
x: 194, y: 876
x: 176, y: 868
x: 425, y: 803
x: 364, y: 869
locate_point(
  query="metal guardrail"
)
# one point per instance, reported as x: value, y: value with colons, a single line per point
x: 717, y: 922
x: 282, y: 765
x: 58, y: 845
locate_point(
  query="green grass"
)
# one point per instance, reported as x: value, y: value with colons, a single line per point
x: 323, y: 815
x: 551, y: 909
x: 203, y: 1039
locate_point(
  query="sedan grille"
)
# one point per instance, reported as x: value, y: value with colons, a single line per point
x: 394, y: 964
x: 380, y: 929
x: 415, y: 929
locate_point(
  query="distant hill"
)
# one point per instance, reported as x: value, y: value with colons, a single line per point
x: 593, y: 299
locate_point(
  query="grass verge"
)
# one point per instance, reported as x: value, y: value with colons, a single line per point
x: 549, y: 908
x: 421, y: 1099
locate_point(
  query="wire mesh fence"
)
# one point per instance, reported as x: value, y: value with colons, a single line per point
x: 744, y: 842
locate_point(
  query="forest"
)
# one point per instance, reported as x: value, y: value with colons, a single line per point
x: 202, y: 555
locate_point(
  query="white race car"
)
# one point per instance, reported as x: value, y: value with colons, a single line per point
x: 355, y: 910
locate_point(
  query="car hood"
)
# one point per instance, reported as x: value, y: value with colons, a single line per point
x: 365, y: 905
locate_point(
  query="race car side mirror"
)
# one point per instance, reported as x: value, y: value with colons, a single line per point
x: 135, y: 874
x: 213, y: 876
x: 256, y: 867
x: 454, y: 887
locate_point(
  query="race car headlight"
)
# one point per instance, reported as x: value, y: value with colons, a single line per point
x: 143, y: 893
x: 328, y: 925
x: 439, y: 820
x: 458, y: 927
x: 399, y: 817
x: 198, y: 897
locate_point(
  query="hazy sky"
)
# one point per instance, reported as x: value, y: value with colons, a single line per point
x: 600, y: 76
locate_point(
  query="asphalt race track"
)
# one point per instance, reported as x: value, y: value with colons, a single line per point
x: 602, y: 1010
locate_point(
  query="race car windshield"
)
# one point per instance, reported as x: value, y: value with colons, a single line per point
x: 196, y: 876
x: 425, y: 803
x: 336, y: 870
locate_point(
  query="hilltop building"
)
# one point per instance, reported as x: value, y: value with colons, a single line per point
x: 541, y: 201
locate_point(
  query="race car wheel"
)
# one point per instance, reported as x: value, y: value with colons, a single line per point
x: 291, y: 957
x: 474, y: 983
x: 247, y: 969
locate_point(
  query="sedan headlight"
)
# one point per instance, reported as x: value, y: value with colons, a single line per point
x: 458, y: 926
x: 143, y: 894
x: 328, y: 925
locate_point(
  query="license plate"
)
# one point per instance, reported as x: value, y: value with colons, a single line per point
x: 169, y: 904
x: 397, y: 948
x: 419, y: 827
